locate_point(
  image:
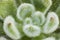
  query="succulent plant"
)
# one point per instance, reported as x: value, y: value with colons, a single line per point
x: 28, y: 20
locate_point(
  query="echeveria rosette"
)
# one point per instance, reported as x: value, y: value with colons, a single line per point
x: 6, y: 8
x: 33, y: 22
x: 38, y: 19
x: 22, y: 12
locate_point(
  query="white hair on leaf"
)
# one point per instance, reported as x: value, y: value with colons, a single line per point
x: 2, y: 38
x: 49, y: 38
x: 51, y: 24
x: 31, y: 30
x: 38, y: 18
x: 47, y: 4
x: 25, y: 9
x: 27, y: 21
x: 10, y: 28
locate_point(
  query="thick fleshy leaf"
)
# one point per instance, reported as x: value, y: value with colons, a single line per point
x: 51, y: 24
x: 7, y: 7
x: 38, y: 18
x: 27, y: 21
x: 25, y: 10
x: 31, y: 30
x: 10, y: 28
x: 49, y: 38
x: 2, y: 38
